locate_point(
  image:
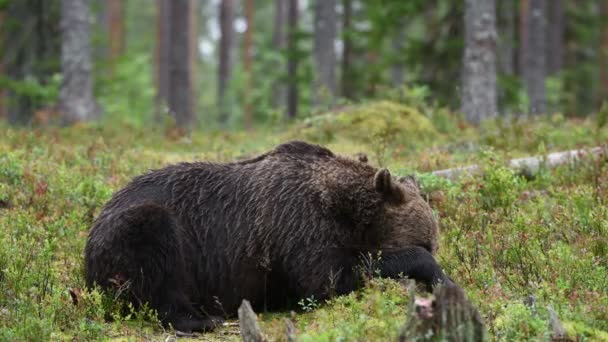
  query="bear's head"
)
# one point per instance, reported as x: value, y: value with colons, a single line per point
x: 406, y: 219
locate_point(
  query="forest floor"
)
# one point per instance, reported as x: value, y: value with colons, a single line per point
x: 516, y: 246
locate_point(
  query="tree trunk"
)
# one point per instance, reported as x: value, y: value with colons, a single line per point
x: 180, y: 76
x: 76, y: 95
x: 225, y: 65
x: 2, y: 90
x: 506, y: 37
x: 397, y: 75
x: 32, y: 31
x: 603, y: 55
x: 479, y: 73
x: 163, y: 43
x: 279, y: 42
x: 534, y: 67
x: 248, y: 62
x: 116, y: 30
x: 292, y: 63
x: 524, y: 33
x: 324, y: 87
x: 555, y: 32
x: 347, y: 51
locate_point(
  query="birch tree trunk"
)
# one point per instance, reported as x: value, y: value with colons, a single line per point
x: 479, y: 64
x: 76, y: 94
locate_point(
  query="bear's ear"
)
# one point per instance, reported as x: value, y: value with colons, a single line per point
x: 385, y: 186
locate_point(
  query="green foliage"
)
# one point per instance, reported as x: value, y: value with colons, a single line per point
x: 11, y: 168
x: 519, y: 323
x: 377, y: 124
x: 129, y: 90
x: 501, y: 186
x: 43, y: 94
x: 504, y: 239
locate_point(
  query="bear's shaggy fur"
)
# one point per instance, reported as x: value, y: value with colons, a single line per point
x: 194, y: 239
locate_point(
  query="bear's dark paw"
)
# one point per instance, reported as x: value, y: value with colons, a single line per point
x: 194, y: 324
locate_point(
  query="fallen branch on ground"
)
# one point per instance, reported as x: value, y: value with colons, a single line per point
x: 528, y: 166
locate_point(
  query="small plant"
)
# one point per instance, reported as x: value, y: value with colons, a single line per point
x: 308, y: 304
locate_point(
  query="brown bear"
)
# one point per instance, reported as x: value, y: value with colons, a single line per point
x: 194, y: 239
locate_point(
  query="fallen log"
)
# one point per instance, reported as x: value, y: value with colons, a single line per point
x: 528, y: 166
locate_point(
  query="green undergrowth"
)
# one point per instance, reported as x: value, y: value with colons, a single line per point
x: 515, y: 245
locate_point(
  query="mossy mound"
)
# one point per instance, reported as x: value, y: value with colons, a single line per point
x: 381, y: 122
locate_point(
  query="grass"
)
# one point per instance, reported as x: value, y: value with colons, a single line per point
x: 516, y: 246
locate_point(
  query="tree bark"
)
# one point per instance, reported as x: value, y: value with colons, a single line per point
x: 76, y: 94
x: 347, y: 50
x: 116, y: 30
x: 32, y: 31
x: 534, y: 68
x: 524, y: 33
x: 479, y: 64
x: 163, y: 43
x: 397, y: 73
x: 180, y: 76
x: 555, y: 33
x: 2, y: 90
x: 279, y: 42
x: 324, y: 87
x: 248, y: 62
x: 225, y: 65
x: 603, y: 55
x: 292, y: 62
x: 506, y: 37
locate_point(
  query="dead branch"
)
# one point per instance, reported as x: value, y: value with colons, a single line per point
x: 528, y: 166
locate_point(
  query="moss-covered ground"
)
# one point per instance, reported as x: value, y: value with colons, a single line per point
x: 515, y: 245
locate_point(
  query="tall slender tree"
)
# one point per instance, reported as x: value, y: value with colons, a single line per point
x: 534, y: 23
x: 31, y: 36
x: 163, y: 43
x: 555, y: 36
x: 603, y: 55
x: 180, y: 76
x: 2, y: 90
x: 397, y: 72
x: 479, y: 64
x: 506, y: 36
x: 524, y: 33
x: 76, y: 95
x: 347, y: 50
x: 225, y: 58
x: 116, y: 29
x: 279, y: 43
x: 325, y: 30
x: 292, y: 62
x: 248, y: 62
x: 174, y: 58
